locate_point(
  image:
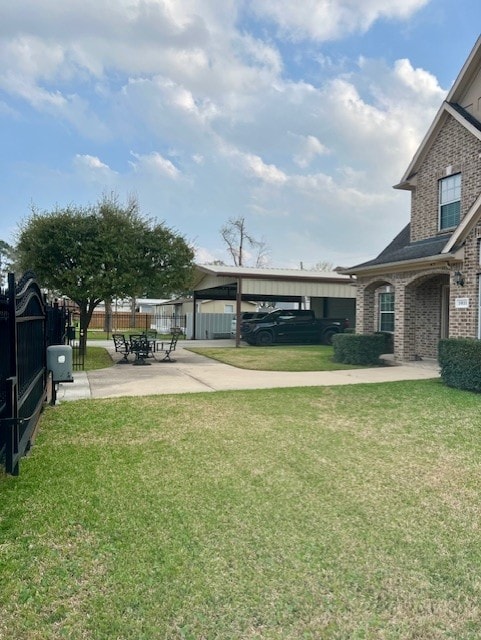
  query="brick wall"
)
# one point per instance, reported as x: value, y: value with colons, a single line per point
x: 454, y: 150
x: 427, y: 317
x: 419, y: 294
x: 418, y: 304
x: 463, y: 323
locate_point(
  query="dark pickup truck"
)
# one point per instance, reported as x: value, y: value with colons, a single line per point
x: 291, y: 326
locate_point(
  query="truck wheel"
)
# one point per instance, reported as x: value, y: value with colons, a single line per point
x: 327, y: 337
x: 264, y: 339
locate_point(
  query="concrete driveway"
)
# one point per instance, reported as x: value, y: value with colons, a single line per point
x: 192, y: 373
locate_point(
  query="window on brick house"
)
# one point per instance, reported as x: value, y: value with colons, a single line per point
x: 386, y: 312
x: 449, y: 201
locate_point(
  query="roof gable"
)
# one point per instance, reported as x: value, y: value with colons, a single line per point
x: 467, y: 84
x: 463, y: 103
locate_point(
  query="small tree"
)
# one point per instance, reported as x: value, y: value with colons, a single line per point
x: 101, y: 252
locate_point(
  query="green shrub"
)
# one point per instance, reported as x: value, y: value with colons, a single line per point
x: 460, y: 362
x: 388, y: 340
x: 356, y: 348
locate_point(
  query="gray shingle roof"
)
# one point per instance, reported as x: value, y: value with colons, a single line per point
x: 466, y: 115
x: 401, y: 249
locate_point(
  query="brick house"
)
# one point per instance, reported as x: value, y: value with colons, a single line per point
x: 426, y: 284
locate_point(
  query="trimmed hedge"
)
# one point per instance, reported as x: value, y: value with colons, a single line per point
x: 357, y: 348
x: 388, y: 341
x: 460, y: 362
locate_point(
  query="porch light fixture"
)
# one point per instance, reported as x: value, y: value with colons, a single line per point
x: 459, y: 278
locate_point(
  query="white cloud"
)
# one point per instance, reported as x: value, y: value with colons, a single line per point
x: 309, y: 148
x: 420, y: 82
x: 248, y: 137
x: 179, y: 98
x: 31, y: 57
x: 328, y: 20
x: 266, y: 172
x: 379, y: 116
x: 29, y: 67
x: 261, y: 53
x: 154, y: 163
x: 33, y: 94
x: 91, y: 162
x: 205, y: 256
x: 193, y: 42
x: 9, y: 111
x: 93, y: 171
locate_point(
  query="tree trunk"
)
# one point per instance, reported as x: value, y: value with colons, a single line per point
x: 108, y: 317
x: 86, y: 310
x: 133, y: 304
x: 84, y: 323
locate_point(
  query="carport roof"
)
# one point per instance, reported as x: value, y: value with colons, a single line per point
x: 220, y: 282
x: 257, y: 273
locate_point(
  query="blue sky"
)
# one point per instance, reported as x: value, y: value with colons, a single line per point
x: 298, y: 116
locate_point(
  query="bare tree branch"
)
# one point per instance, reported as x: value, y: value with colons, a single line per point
x: 235, y: 235
x: 323, y: 265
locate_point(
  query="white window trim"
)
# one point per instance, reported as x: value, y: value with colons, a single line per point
x: 442, y: 204
x: 382, y: 313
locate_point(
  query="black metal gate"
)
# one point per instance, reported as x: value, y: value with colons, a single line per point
x: 24, y: 371
x: 27, y: 326
x: 78, y: 354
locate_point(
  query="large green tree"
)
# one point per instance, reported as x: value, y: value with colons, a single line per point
x: 6, y: 260
x: 101, y: 252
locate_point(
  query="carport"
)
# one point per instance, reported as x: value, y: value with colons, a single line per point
x: 327, y: 293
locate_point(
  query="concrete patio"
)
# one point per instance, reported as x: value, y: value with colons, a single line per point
x: 193, y: 373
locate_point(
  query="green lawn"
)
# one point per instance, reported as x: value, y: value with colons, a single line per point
x: 317, y: 513
x: 96, y: 334
x: 276, y: 358
x: 97, y: 358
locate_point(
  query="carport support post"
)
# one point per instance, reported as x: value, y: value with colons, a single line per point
x: 194, y: 317
x: 238, y: 307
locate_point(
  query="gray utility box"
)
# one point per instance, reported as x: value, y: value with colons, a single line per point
x: 59, y: 362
